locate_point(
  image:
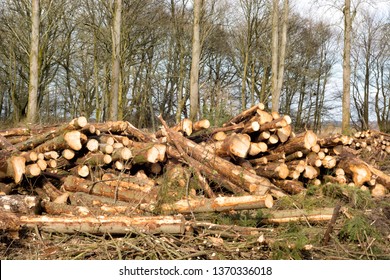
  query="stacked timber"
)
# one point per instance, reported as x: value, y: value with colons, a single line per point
x: 83, y: 169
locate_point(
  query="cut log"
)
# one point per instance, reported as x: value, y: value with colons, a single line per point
x: 199, y: 125
x: 357, y: 169
x: 106, y: 224
x: 5, y: 145
x: 284, y: 133
x: 6, y: 188
x: 290, y: 186
x: 73, y: 140
x: 93, y: 145
x: 257, y: 148
x: 273, y: 170
x: 235, y: 145
x: 307, y: 216
x: 20, y: 204
x: 123, y: 153
x: 101, y: 210
x: 218, y: 204
x: 301, y: 142
x: 264, y: 117
x: 12, y: 166
x: 94, y: 159
x: 236, y: 175
x: 75, y: 184
x: 247, y: 114
x: 329, y: 162
x: 129, y: 182
x: 184, y: 126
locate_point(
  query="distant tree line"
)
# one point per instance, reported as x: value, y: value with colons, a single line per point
x: 132, y: 60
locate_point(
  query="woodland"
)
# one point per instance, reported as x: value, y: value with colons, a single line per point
x: 192, y: 129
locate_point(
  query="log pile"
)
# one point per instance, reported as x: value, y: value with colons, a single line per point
x: 115, y: 177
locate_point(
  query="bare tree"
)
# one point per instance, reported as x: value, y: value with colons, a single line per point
x: 194, y: 81
x: 115, y: 75
x: 278, y: 51
x: 32, y: 105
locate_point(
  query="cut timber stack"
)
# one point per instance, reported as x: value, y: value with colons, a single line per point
x: 115, y: 169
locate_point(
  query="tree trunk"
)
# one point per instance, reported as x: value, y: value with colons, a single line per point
x: 196, y: 48
x: 346, y: 102
x: 32, y: 105
x: 115, y: 76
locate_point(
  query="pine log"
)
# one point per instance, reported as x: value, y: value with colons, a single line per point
x: 147, y: 152
x: 250, y: 127
x: 105, y: 224
x: 72, y: 210
x: 313, y: 159
x: 89, y: 200
x: 311, y: 172
x: 290, y: 186
x: 205, y: 170
x: 284, y: 133
x: 356, y: 168
x: 237, y: 175
x: 41, y: 138
x: 139, y: 134
x: 329, y: 162
x: 379, y: 191
x: 273, y: 170
x: 129, y: 182
x: 264, y: 117
x: 52, y: 192
x: 184, y: 126
x: 199, y: 125
x: 114, y: 127
x: 20, y: 204
x: 6, y: 145
x: 68, y: 154
x: 94, y: 159
x: 17, y: 131
x: 73, y: 140
x: 301, y: 142
x: 235, y: 145
x: 6, y: 188
x: 244, y: 115
x: 257, y: 148
x: 12, y: 166
x: 218, y: 204
x: 123, y: 153
x: 300, y: 215
x: 76, y: 184
x: 92, y: 145
x: 273, y: 124
x: 106, y: 148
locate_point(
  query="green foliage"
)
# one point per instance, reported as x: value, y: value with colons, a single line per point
x: 358, y: 229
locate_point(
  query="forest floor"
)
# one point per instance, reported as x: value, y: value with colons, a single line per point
x: 361, y: 231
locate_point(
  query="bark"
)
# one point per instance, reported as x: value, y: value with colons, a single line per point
x: 73, y: 140
x: 195, y: 61
x: 346, y: 100
x: 20, y: 204
x: 236, y: 174
x: 12, y: 167
x: 290, y: 186
x: 75, y: 184
x: 244, y: 115
x: 301, y: 142
x: 218, y: 204
x: 32, y: 105
x: 116, y: 57
x: 101, y: 224
x: 288, y: 216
